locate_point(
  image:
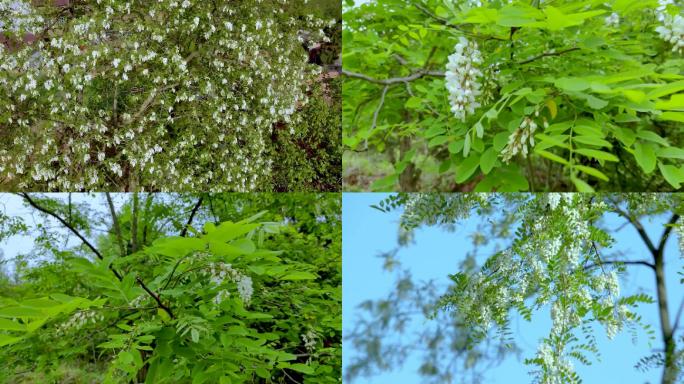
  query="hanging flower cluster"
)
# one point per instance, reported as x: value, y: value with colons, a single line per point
x: 518, y: 140
x: 78, y: 320
x: 462, y: 78
x: 672, y: 28
x: 222, y: 273
x: 154, y: 95
x: 17, y: 16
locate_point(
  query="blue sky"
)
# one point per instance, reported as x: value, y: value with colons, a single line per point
x: 366, y: 232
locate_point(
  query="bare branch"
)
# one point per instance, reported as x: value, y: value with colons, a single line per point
x: 184, y: 231
x: 73, y: 230
x: 115, y: 224
x: 626, y: 262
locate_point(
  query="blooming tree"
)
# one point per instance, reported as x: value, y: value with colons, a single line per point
x: 153, y: 95
x: 551, y: 252
x: 515, y: 95
x: 158, y: 288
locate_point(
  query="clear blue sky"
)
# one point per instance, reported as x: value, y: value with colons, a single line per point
x: 366, y: 232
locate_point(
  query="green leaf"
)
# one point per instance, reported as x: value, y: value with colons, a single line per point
x: 437, y: 140
x: 572, y: 84
x: 676, y: 103
x: 9, y: 325
x: 599, y: 155
x: 592, y: 172
x: 581, y: 185
x: 671, y: 153
x: 299, y: 276
x: 264, y: 374
x: 652, y: 136
x: 302, y: 368
x: 666, y: 89
x: 645, y: 156
x: 551, y: 156
x: 488, y: 160
x: 466, y: 146
x: 672, y: 116
x: 466, y: 168
x: 500, y: 140
x: 12, y: 312
x: 413, y: 102
x: 672, y: 174
x: 434, y: 131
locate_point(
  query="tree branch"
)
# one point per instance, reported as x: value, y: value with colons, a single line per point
x: 547, y: 54
x: 394, y: 80
x: 68, y: 226
x: 115, y: 224
x: 184, y: 231
x: 626, y: 262
x: 666, y: 233
x: 155, y: 297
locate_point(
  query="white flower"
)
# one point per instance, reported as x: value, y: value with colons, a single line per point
x: 518, y: 140
x: 613, y: 20
x: 462, y: 76
x: 672, y: 28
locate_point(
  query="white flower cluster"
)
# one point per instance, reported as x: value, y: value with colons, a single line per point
x: 518, y: 140
x: 18, y: 15
x: 679, y: 228
x: 189, y: 121
x: 439, y: 208
x: 462, y: 78
x: 310, y: 338
x: 220, y: 273
x: 78, y: 320
x: 613, y: 20
x: 557, y: 368
x: 553, y: 199
x: 672, y: 28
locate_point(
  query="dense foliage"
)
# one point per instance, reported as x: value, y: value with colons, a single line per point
x: 532, y: 255
x: 171, y: 289
x: 514, y: 95
x: 156, y: 95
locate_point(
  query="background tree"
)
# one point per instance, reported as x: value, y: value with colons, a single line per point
x: 513, y: 95
x: 128, y: 96
x: 533, y: 255
x: 205, y: 288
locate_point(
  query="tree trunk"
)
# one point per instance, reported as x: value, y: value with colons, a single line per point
x: 670, y: 368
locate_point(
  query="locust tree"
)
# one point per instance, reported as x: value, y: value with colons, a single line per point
x: 533, y: 255
x: 514, y: 95
x: 150, y: 95
x: 159, y: 288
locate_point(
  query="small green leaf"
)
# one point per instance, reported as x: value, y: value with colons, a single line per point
x: 299, y: 276
x: 592, y: 171
x: 672, y: 174
x: 599, y: 155
x: 581, y: 185
x: 488, y: 160
x: 645, y: 156
x: 466, y: 168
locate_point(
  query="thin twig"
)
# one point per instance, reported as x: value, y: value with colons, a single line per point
x: 393, y: 80
x: 547, y: 54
